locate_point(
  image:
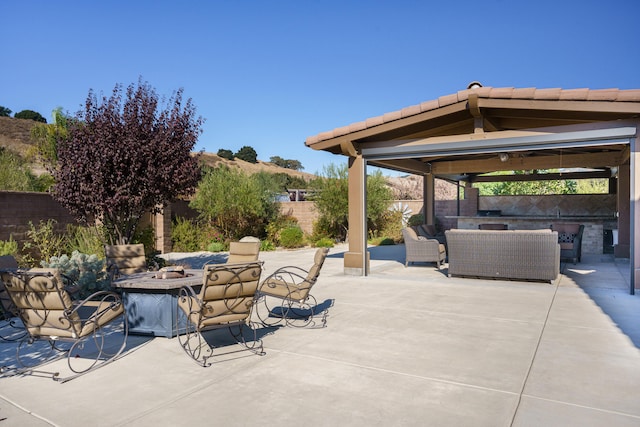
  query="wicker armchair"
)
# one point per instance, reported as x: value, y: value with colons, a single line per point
x: 422, y: 249
x: 430, y: 232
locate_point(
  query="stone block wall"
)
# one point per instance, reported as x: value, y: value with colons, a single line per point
x: 304, y: 212
x: 20, y: 208
x: 552, y: 205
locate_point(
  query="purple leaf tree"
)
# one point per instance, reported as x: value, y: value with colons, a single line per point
x: 122, y: 159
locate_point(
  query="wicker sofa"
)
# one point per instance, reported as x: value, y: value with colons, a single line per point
x: 508, y: 254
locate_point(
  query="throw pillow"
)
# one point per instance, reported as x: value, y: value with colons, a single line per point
x: 566, y: 237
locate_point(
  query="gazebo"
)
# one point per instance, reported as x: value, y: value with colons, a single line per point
x: 484, y: 129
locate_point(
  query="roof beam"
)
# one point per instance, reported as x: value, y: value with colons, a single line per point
x: 562, y: 105
x: 593, y: 160
x: 404, y: 165
x: 543, y: 176
x: 504, y: 141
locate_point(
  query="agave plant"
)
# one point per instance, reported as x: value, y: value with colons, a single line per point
x: 85, y: 273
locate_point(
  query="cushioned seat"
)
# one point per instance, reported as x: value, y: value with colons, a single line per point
x: 243, y: 251
x: 125, y: 259
x: 422, y: 249
x: 285, y: 295
x: 225, y: 300
x: 570, y: 240
x: 49, y: 314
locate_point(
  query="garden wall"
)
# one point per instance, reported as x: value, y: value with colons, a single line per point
x: 19, y: 208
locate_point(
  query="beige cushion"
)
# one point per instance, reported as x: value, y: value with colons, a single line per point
x: 128, y: 259
x: 243, y: 252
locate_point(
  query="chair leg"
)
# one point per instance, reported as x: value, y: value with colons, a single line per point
x: 12, y: 330
x: 272, y: 311
x: 254, y: 344
x: 98, y: 347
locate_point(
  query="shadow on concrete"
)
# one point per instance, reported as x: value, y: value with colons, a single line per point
x: 607, y: 283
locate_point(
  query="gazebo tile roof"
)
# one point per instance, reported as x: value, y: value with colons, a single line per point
x: 354, y: 127
x: 632, y: 95
x: 411, y: 111
x: 603, y: 95
x: 443, y: 101
x: 574, y: 94
x: 501, y: 92
x: 429, y: 105
x: 374, y: 121
x: 523, y: 93
x: 394, y: 115
x: 551, y: 94
x: 463, y: 95
x: 342, y: 130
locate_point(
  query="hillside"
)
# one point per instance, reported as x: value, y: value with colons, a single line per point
x: 15, y: 134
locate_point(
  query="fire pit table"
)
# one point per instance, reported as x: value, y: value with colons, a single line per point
x: 151, y: 298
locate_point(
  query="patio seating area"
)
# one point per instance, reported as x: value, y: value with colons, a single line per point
x: 402, y: 346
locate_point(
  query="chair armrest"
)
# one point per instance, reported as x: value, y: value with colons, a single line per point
x: 100, y: 302
x: 290, y: 276
x: 189, y: 294
x: 427, y: 242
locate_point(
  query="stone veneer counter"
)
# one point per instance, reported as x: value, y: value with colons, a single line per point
x: 592, y: 238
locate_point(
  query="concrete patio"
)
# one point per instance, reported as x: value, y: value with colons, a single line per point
x: 403, y: 346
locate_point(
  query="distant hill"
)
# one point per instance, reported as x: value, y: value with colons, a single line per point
x: 15, y: 134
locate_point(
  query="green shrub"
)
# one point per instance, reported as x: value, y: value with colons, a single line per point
x: 275, y: 226
x: 44, y: 243
x: 215, y: 247
x: 386, y: 241
x: 86, y: 271
x: 267, y: 245
x: 146, y: 236
x: 324, y: 242
x: 86, y: 240
x: 391, y: 225
x: 323, y: 227
x: 8, y: 247
x: 381, y: 241
x: 185, y: 235
x: 291, y: 237
x: 193, y: 236
x: 416, y: 219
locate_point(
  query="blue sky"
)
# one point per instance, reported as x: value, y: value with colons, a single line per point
x: 269, y: 74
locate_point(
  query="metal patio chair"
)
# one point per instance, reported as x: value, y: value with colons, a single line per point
x: 11, y: 329
x: 224, y: 301
x: 82, y: 331
x: 243, y: 251
x: 285, y: 295
x: 125, y: 259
